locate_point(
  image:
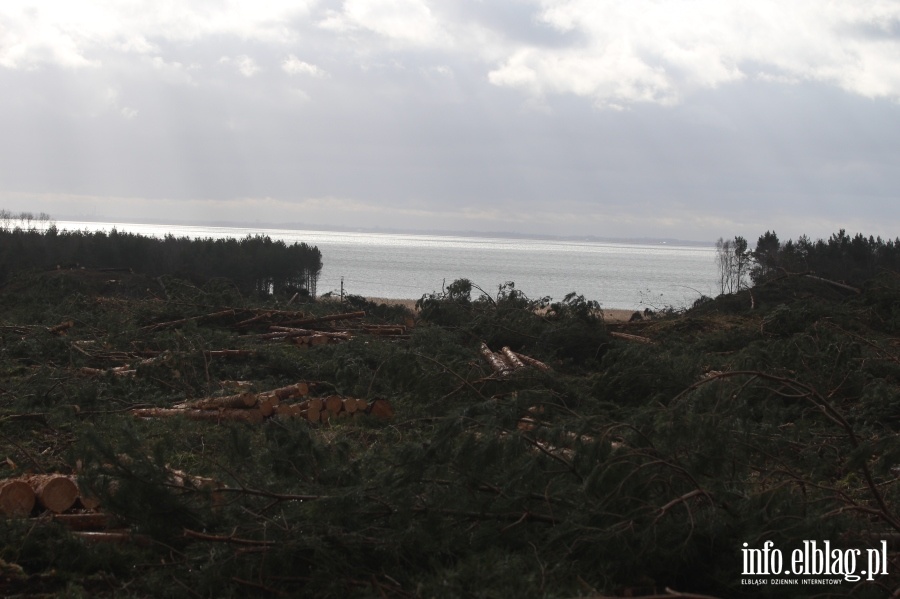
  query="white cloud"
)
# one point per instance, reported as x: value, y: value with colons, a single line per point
x: 245, y: 65
x: 72, y: 33
x: 649, y: 51
x: 294, y: 66
x: 111, y: 100
x: 171, y: 72
x: 408, y: 22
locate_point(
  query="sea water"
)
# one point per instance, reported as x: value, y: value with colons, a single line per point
x: 407, y: 266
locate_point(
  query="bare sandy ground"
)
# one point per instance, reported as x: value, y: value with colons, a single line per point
x: 609, y: 315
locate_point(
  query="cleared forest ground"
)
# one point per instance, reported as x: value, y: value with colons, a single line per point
x: 225, y: 445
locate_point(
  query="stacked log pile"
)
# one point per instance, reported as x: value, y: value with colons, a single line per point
x: 335, y: 407
x: 506, y: 361
x: 256, y: 407
x: 57, y: 498
x: 55, y: 493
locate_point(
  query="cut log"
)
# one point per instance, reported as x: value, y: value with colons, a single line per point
x: 526, y: 424
x: 239, y: 401
x: 290, y: 332
x: 92, y: 521
x: 496, y: 362
x: 54, y: 492
x: 253, y: 319
x: 88, y: 500
x: 302, y: 342
x: 313, y: 414
x: 512, y: 358
x: 61, y: 327
x: 350, y: 405
x: 381, y: 408
x: 835, y: 284
x: 321, y: 319
x: 172, y: 323
x: 117, y: 537
x: 384, y: 330
x: 317, y: 340
x: 285, y: 411
x: 16, y: 498
x: 237, y: 415
x: 334, y: 404
x: 300, y: 389
x: 267, y: 406
x: 315, y: 404
x: 636, y: 338
x: 118, y: 370
x: 532, y: 362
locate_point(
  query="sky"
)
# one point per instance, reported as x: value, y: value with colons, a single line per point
x: 683, y: 119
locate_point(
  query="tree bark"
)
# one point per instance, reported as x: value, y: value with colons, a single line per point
x: 497, y: 363
x: 239, y: 401
x: 533, y: 362
x: 512, y: 358
x: 94, y: 521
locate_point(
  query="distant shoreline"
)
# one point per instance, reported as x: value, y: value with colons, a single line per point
x: 388, y: 231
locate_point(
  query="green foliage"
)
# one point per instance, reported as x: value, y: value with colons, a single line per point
x: 629, y: 468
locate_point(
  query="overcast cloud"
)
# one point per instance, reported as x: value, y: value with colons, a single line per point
x: 689, y: 119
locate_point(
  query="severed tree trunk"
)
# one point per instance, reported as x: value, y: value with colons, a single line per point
x: 172, y: 323
x: 532, y: 362
x: 94, y: 521
x: 512, y: 358
x: 496, y: 362
x: 55, y: 492
x: 239, y: 401
x: 300, y: 389
x: 267, y: 406
x: 236, y: 415
x: 61, y: 327
x: 321, y: 319
x: 334, y: 404
x: 17, y: 498
x: 636, y: 338
x: 117, y: 537
x: 381, y: 408
x: 313, y: 412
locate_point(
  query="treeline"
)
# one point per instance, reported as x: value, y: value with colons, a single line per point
x: 256, y: 264
x: 843, y: 258
x: 24, y: 220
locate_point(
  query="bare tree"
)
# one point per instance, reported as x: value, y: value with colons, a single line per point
x: 733, y: 261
